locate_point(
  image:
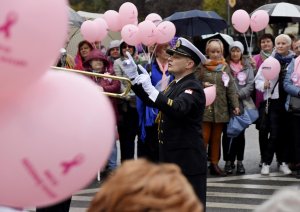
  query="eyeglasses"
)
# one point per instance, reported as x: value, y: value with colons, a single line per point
x: 127, y: 46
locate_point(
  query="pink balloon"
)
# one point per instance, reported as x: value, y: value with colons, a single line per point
x: 210, y: 94
x: 240, y: 20
x: 128, y: 13
x: 113, y: 21
x: 89, y: 31
x: 259, y: 20
x: 102, y: 28
x: 54, y: 140
x: 130, y: 34
x: 165, y: 32
x: 29, y: 29
x: 270, y: 68
x: 147, y: 32
x: 154, y: 17
x: 93, y: 31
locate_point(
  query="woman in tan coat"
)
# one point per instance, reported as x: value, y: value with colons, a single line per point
x: 216, y: 72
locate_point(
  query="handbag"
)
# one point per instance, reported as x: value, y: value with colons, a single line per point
x: 263, y: 121
x: 294, y: 106
x: 239, y: 123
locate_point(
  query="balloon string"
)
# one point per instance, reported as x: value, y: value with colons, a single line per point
x: 146, y: 55
x: 246, y: 42
x: 94, y: 45
x: 151, y: 55
x: 250, y: 50
x: 267, y: 104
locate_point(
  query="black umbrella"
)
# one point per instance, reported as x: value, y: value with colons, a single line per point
x: 196, y: 22
x: 282, y: 12
x: 225, y: 39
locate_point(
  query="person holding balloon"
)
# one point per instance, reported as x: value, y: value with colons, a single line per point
x: 292, y: 87
x: 216, y: 72
x: 243, y: 75
x: 266, y: 44
x: 128, y: 122
x: 160, y: 78
x: 97, y: 62
x: 269, y: 80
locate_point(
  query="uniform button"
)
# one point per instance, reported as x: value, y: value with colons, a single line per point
x: 162, y: 121
x: 161, y: 131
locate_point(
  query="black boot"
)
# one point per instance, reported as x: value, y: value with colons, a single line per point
x: 240, y: 168
x: 215, y: 170
x: 228, y: 168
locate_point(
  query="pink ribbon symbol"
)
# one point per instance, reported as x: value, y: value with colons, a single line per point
x: 11, y: 19
x: 75, y: 162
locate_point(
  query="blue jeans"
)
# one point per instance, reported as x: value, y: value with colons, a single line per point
x: 112, y: 161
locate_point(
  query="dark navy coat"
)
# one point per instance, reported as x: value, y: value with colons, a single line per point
x: 180, y: 126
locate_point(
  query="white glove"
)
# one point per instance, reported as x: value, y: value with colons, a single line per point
x: 145, y: 80
x: 130, y: 68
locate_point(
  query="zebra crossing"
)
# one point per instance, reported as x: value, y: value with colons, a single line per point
x: 232, y: 193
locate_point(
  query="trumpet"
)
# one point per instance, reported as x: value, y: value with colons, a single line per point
x: 116, y: 95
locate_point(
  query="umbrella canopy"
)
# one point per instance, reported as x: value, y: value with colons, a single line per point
x: 196, y: 22
x: 74, y: 18
x: 282, y: 12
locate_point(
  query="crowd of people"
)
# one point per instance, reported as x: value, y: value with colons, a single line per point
x: 166, y: 112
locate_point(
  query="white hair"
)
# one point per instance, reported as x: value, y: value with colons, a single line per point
x: 284, y: 36
x: 287, y: 200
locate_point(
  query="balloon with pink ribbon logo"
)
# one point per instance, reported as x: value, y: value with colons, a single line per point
x: 54, y: 138
x: 240, y: 21
x: 154, y: 17
x: 165, y: 32
x: 259, y: 20
x: 30, y: 39
x: 128, y: 13
x: 270, y: 68
x: 210, y: 94
x: 147, y: 32
x: 113, y: 20
x: 130, y: 34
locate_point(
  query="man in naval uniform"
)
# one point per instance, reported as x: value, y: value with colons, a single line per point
x: 181, y: 108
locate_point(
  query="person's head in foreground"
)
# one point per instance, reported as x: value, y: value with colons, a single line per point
x: 139, y: 185
x: 285, y: 200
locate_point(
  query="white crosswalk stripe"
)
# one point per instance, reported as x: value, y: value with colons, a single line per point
x: 236, y: 193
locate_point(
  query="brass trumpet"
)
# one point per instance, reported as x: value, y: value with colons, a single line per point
x: 116, y: 95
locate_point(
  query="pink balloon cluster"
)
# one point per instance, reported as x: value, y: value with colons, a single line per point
x: 30, y: 39
x: 258, y: 21
x: 56, y: 128
x: 148, y: 33
x: 127, y: 14
x: 95, y: 30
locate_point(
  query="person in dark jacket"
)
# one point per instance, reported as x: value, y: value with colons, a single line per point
x: 160, y: 78
x: 181, y: 108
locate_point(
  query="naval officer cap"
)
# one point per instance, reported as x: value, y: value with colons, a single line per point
x: 186, y: 48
